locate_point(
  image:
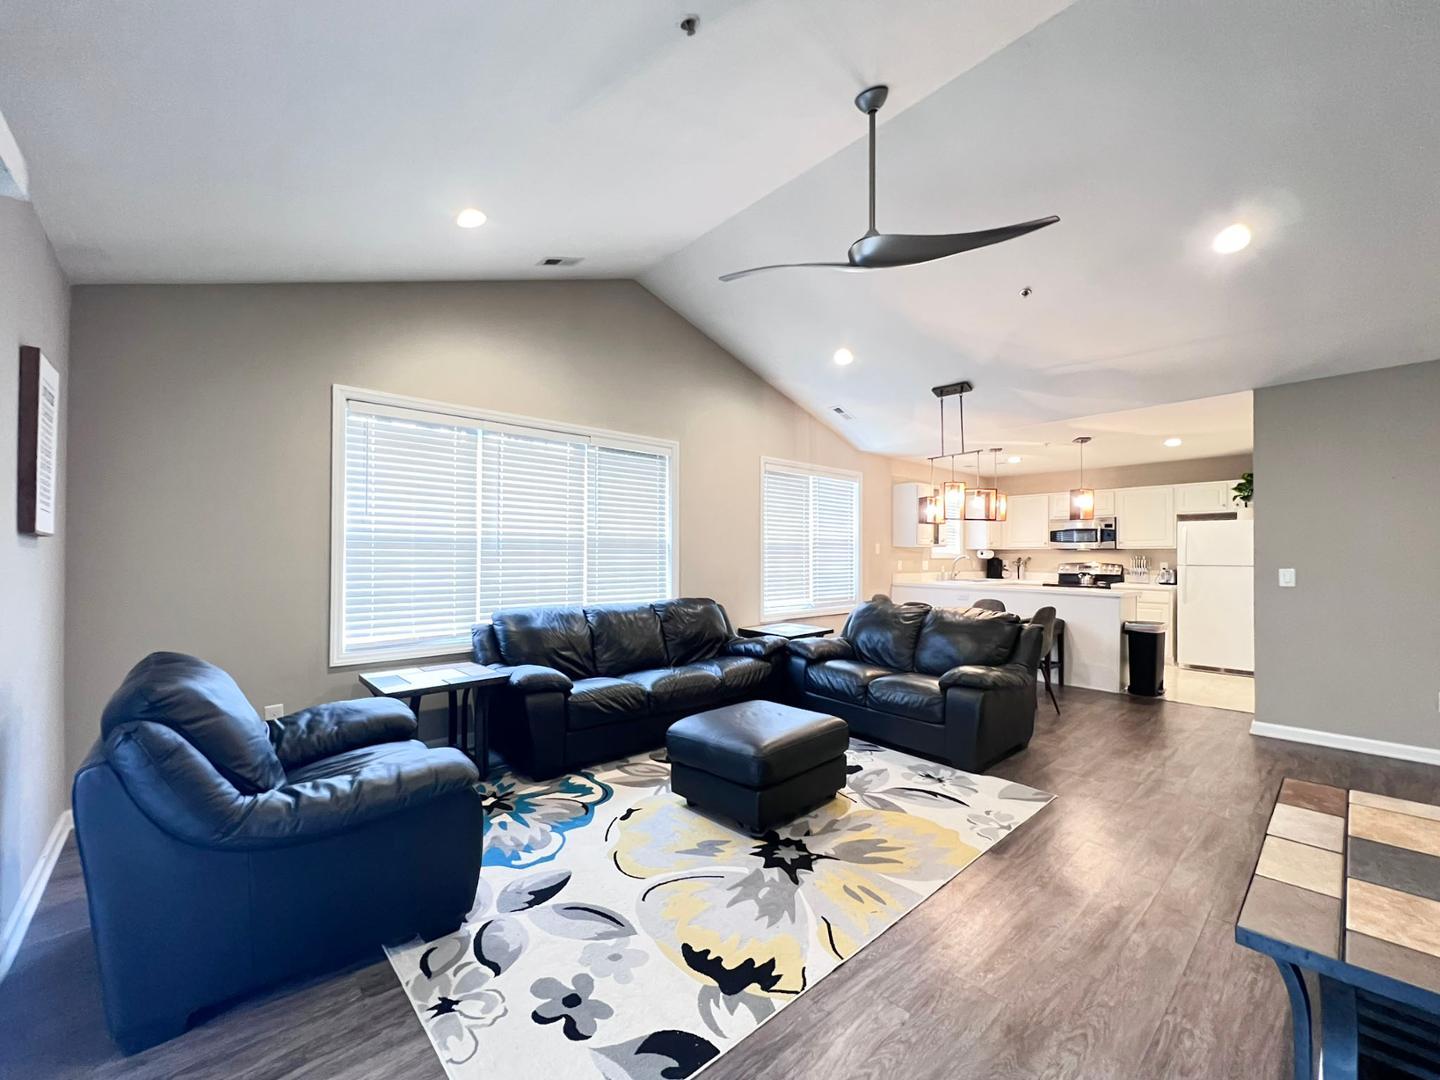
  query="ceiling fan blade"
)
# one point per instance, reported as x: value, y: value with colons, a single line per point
x: 794, y: 266
x: 906, y: 249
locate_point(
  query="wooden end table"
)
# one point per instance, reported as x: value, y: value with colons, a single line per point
x: 790, y: 631
x: 467, y: 685
x: 1347, y: 889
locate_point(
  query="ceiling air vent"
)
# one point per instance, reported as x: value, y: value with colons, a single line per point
x: 559, y: 260
x: 838, y: 411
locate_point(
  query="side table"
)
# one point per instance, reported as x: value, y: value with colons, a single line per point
x: 468, y: 687
x: 1347, y: 890
x: 791, y: 631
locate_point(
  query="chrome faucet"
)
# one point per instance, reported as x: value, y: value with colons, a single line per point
x: 951, y: 574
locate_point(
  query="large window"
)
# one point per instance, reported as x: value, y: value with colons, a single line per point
x: 810, y: 537
x: 442, y: 515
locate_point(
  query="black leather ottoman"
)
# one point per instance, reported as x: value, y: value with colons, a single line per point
x: 759, y: 762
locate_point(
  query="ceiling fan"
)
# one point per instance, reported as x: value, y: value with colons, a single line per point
x: 876, y: 250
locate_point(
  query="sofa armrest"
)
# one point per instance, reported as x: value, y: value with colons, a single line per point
x: 327, y: 730
x: 817, y: 649
x: 980, y: 677
x: 766, y: 647
x: 536, y: 678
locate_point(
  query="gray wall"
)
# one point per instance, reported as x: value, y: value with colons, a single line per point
x: 200, y: 478
x: 1347, y: 491
x: 34, y: 788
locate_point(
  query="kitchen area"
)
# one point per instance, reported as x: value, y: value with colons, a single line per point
x: 1177, y: 555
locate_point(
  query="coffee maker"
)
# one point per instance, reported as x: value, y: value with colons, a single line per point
x: 994, y: 565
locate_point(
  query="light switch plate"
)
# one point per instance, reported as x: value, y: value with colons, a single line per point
x: 1287, y: 577
x: 274, y: 712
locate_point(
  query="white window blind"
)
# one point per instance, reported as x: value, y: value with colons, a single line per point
x: 410, y: 531
x: 810, y: 539
x: 443, y: 519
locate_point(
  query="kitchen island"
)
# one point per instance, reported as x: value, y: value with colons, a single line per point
x: 1094, y: 643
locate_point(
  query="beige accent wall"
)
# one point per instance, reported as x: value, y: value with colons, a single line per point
x: 34, y: 786
x: 1348, y: 494
x: 201, y: 456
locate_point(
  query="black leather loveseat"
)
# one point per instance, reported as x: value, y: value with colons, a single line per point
x: 953, y: 684
x: 597, y: 683
x: 222, y: 854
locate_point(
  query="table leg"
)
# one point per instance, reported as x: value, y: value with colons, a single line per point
x: 1339, y: 1030
x: 1060, y: 650
x: 454, y: 718
x: 480, y: 714
x: 415, y: 705
x: 1294, y: 979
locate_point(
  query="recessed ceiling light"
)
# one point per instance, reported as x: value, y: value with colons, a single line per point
x: 1172, y: 441
x: 1231, y: 239
x: 844, y: 356
x: 1013, y: 459
x: 470, y: 218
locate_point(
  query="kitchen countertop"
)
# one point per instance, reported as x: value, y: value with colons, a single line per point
x: 1023, y: 583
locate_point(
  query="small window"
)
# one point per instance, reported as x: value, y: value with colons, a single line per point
x: 810, y: 539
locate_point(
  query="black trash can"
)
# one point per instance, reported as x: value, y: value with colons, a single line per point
x: 1146, y: 642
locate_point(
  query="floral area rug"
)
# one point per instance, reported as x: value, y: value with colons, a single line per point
x: 618, y: 933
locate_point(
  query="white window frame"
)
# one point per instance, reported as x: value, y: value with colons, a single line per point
x: 810, y: 469
x: 342, y: 395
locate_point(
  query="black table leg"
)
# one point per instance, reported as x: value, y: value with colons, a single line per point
x: 1060, y: 651
x: 480, y: 715
x: 1339, y: 1030
x: 454, y: 719
x: 415, y: 705
x: 1294, y: 978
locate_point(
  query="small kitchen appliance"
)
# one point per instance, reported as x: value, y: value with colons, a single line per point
x: 1084, y: 535
x: 994, y: 565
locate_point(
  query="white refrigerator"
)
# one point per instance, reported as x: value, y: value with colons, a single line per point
x: 1215, y: 617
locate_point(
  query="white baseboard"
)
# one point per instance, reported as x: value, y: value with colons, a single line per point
x: 19, y: 920
x: 1426, y: 755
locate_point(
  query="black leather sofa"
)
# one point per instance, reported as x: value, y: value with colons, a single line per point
x: 953, y: 684
x: 222, y: 854
x: 598, y: 683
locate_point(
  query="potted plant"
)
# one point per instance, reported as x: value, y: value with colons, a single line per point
x: 1244, y: 491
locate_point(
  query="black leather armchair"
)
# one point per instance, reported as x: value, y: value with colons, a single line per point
x: 598, y: 683
x: 222, y: 854
x: 953, y: 684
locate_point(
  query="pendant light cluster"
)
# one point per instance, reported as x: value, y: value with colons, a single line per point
x: 954, y: 501
x: 1082, y: 498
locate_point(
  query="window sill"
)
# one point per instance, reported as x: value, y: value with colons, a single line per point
x: 813, y: 613
x: 400, y: 658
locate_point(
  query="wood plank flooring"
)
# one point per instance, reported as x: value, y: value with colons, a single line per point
x: 1097, y: 942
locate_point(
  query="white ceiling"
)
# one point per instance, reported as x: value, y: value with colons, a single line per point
x: 1206, y: 427
x: 336, y: 139
x: 271, y: 140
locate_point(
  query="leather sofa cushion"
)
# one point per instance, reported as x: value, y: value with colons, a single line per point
x: 883, y: 632
x: 557, y: 637
x: 603, y: 700
x: 909, y: 694
x: 669, y: 689
x: 757, y: 743
x: 352, y: 761
x: 203, y: 705
x: 952, y: 637
x: 844, y: 680
x: 483, y: 646
x: 986, y: 678
x: 625, y: 637
x: 738, y: 674
x: 694, y: 629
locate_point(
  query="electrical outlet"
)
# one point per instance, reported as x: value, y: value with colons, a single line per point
x: 877, y: 547
x: 1287, y: 578
x: 274, y: 712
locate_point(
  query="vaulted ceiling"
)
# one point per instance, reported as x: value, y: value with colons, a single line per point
x: 336, y: 140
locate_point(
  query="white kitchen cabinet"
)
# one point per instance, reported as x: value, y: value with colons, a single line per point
x: 1060, y: 504
x: 986, y: 534
x: 906, y: 530
x: 1027, y: 522
x: 1145, y: 517
x: 1205, y: 498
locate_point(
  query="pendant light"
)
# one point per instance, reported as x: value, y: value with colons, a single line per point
x: 1002, y: 503
x: 1082, y: 499
x: 949, y: 505
x: 982, y: 503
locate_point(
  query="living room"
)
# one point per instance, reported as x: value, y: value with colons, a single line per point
x: 357, y: 343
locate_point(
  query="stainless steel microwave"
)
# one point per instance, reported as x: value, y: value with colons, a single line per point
x: 1084, y: 535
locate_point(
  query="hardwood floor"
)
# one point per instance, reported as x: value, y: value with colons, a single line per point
x: 1097, y: 942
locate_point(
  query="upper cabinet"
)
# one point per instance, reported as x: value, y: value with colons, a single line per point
x: 1204, y: 498
x: 1027, y: 522
x: 1059, y: 502
x: 1145, y: 517
x: 906, y: 530
x: 987, y: 535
